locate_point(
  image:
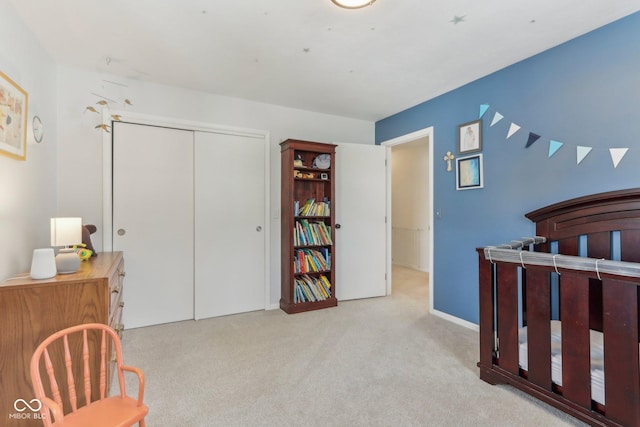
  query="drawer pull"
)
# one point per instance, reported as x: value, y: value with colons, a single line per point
x: 115, y: 290
x: 123, y: 273
x: 119, y: 327
x: 121, y: 304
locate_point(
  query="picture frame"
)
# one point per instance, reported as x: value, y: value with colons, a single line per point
x: 13, y: 118
x: 469, y: 172
x: 470, y: 137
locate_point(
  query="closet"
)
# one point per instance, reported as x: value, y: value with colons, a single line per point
x: 189, y: 213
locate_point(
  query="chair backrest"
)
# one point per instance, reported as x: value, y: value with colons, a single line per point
x: 75, y: 363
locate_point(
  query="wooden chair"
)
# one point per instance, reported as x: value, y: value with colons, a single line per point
x: 64, y: 356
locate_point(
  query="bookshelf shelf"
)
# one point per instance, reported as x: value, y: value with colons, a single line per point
x: 308, y: 226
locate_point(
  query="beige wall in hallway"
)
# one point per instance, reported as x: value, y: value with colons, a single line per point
x: 410, y: 210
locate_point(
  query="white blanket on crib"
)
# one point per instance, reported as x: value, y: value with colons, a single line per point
x: 597, y: 358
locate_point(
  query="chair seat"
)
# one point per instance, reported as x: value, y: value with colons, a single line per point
x: 113, y: 411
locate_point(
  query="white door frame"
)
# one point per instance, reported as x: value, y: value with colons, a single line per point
x: 145, y: 119
x: 422, y: 133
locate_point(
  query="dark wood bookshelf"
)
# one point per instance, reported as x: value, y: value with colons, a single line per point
x: 315, y: 183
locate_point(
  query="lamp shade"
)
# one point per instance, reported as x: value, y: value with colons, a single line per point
x: 66, y: 231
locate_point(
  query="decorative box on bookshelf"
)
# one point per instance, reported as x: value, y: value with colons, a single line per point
x: 308, y: 226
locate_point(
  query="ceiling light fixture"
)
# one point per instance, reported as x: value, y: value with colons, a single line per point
x: 353, y: 4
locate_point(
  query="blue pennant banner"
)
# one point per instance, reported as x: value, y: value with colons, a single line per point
x: 554, y: 146
x: 617, y: 154
x: 532, y: 138
x: 483, y: 109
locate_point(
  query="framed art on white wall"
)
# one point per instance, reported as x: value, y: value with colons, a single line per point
x: 13, y: 119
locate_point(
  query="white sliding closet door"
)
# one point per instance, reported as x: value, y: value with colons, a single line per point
x: 360, y: 211
x: 153, y: 221
x: 229, y: 224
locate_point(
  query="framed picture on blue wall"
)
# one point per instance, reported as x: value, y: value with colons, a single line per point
x: 469, y: 173
x: 470, y: 137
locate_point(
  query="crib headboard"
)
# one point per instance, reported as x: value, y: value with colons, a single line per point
x: 518, y: 288
x: 596, y: 217
x: 608, y: 223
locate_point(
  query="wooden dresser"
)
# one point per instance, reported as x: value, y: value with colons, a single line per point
x: 31, y: 310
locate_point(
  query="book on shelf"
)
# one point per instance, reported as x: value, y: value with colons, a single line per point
x: 311, y: 234
x: 312, y: 208
x: 311, y: 261
x: 311, y: 289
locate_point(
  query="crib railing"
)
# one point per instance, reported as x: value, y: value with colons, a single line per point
x: 516, y: 290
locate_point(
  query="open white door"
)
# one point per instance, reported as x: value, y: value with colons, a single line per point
x: 360, y: 211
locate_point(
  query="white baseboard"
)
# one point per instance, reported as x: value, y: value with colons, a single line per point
x: 456, y: 320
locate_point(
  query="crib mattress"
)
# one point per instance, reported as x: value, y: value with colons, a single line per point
x: 597, y: 358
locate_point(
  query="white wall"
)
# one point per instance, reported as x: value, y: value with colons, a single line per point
x: 80, y: 144
x: 27, y: 188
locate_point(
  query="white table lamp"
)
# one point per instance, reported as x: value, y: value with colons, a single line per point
x: 66, y: 232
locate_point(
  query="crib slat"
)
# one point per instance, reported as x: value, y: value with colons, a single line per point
x: 507, y: 301
x: 538, y: 327
x: 576, y: 363
x: 568, y: 246
x: 622, y: 388
x: 486, y: 313
x: 629, y: 243
x: 598, y: 246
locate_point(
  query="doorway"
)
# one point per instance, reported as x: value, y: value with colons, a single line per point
x: 410, y: 207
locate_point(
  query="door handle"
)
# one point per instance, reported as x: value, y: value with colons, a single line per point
x: 121, y: 232
x: 259, y: 228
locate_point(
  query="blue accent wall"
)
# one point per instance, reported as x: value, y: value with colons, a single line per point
x: 585, y: 92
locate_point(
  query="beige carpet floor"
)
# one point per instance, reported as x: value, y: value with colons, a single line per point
x: 372, y: 362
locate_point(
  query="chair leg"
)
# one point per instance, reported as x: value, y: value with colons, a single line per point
x: 142, y: 423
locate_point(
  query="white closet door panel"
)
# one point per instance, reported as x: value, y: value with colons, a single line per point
x: 153, y: 221
x: 360, y: 211
x: 229, y: 218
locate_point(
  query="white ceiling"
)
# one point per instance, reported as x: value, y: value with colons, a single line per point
x: 309, y: 54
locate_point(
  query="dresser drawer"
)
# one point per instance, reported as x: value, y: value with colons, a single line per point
x: 116, y: 286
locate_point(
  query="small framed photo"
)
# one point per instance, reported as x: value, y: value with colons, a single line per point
x: 13, y: 119
x: 324, y: 175
x: 470, y: 137
x: 469, y: 173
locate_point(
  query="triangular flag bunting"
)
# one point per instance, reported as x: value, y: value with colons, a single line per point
x: 483, y: 109
x: 532, y: 138
x: 496, y: 118
x: 554, y: 146
x: 581, y: 153
x: 513, y: 129
x: 617, y: 154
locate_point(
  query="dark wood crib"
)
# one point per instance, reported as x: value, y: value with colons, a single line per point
x: 580, y: 273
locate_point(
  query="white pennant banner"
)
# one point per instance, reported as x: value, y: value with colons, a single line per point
x: 496, y: 118
x: 581, y: 153
x: 617, y: 154
x: 513, y: 129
